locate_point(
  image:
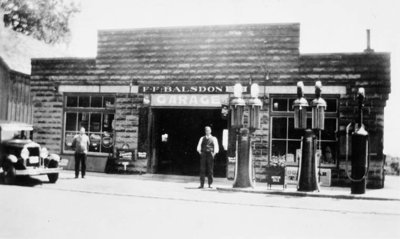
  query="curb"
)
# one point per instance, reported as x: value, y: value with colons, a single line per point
x: 186, y: 179
x: 305, y: 194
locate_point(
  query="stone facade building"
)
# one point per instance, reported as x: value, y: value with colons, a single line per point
x: 153, y: 91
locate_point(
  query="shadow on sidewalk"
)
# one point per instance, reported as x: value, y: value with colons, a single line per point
x: 24, y: 181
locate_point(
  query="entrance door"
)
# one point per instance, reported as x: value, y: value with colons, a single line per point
x: 177, y: 132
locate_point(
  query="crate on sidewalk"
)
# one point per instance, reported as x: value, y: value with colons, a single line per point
x: 275, y: 176
x: 123, y: 162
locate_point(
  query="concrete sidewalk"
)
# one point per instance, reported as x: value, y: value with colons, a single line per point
x: 391, y: 191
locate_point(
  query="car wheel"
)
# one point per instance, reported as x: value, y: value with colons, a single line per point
x: 53, y: 177
x: 9, y: 174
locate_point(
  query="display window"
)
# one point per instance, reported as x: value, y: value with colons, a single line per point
x: 96, y: 114
x: 285, y: 143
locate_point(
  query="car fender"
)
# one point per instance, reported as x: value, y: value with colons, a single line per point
x: 54, y: 157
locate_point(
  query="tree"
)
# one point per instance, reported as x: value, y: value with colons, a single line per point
x: 46, y: 20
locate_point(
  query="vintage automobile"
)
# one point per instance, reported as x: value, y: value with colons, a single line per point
x: 20, y: 156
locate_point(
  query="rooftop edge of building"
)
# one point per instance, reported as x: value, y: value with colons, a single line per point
x: 65, y: 59
x: 302, y: 55
x: 201, y: 27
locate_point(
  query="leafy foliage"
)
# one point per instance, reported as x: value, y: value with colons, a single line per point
x: 46, y: 20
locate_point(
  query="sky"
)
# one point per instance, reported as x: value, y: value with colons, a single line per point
x: 325, y: 26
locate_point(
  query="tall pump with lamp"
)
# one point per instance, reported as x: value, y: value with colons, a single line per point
x: 243, y: 168
x: 359, y: 149
x: 308, y: 168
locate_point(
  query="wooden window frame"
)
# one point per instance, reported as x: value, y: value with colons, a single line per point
x: 289, y: 114
x: 89, y: 110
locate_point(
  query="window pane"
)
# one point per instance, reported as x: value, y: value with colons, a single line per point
x: 107, y: 122
x: 96, y: 102
x: 328, y: 153
x: 279, y: 128
x: 279, y: 105
x: 95, y: 141
x: 331, y: 105
x: 294, y: 133
x: 69, y: 136
x: 309, y: 123
x: 330, y: 129
x: 84, y: 101
x: 278, y: 148
x: 309, y: 108
x: 293, y: 146
x: 83, y: 120
x: 70, y: 122
x: 72, y: 101
x: 95, y: 123
x: 291, y: 104
x: 109, y: 102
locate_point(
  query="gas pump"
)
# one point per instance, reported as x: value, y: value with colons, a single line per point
x: 318, y: 107
x: 244, y: 166
x: 308, y: 177
x: 359, y: 149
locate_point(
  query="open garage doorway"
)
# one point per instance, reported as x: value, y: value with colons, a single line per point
x: 176, y: 133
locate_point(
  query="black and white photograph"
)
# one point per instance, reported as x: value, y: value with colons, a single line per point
x: 194, y: 119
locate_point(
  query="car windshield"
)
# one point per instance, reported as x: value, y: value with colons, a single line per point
x: 7, y: 135
x: 20, y: 135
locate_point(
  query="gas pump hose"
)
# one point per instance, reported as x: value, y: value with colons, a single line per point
x: 301, y: 158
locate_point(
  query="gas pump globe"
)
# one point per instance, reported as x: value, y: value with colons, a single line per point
x: 300, y: 108
x: 254, y: 108
x: 318, y: 108
x: 237, y: 106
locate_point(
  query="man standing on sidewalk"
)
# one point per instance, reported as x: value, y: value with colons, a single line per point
x: 81, y: 145
x: 207, y: 148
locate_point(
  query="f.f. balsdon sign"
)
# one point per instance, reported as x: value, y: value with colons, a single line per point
x: 183, y: 89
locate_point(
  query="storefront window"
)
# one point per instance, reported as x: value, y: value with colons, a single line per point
x: 84, y: 101
x: 72, y: 101
x: 286, y: 141
x: 94, y: 113
x: 96, y: 101
x: 280, y: 105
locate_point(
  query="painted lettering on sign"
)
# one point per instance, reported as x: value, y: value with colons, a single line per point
x: 192, y: 100
x: 182, y: 89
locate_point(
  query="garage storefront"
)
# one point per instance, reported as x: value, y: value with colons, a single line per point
x: 152, y: 91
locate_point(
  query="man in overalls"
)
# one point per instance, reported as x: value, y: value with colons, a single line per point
x: 207, y: 148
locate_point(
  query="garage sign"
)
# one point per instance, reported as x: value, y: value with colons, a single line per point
x: 189, y: 100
